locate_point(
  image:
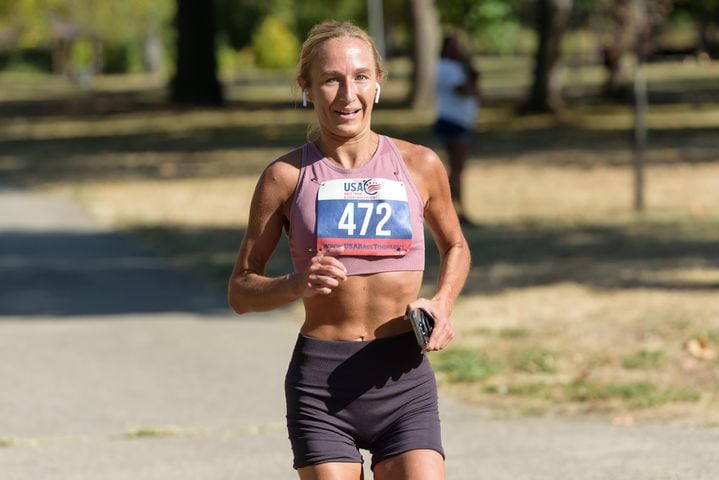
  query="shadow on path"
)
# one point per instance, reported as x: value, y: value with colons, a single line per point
x: 634, y: 255
x: 93, y: 273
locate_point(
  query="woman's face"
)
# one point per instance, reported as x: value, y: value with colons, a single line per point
x: 344, y: 84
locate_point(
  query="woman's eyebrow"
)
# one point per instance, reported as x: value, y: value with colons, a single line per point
x: 326, y: 73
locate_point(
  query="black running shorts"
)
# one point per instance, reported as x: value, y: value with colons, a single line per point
x: 378, y: 395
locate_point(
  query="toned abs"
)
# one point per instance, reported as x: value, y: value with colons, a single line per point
x: 363, y: 307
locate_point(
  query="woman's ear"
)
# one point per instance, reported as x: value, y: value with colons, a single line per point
x: 376, y: 95
x: 305, y: 91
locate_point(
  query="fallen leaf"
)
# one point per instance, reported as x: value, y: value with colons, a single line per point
x: 699, y: 348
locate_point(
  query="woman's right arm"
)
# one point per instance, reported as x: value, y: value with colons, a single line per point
x: 249, y: 289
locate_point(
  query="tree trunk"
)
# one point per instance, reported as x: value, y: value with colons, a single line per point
x: 425, y: 48
x: 619, y: 54
x: 546, y: 92
x: 195, y: 81
x: 59, y: 57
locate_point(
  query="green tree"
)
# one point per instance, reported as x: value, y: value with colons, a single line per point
x: 308, y: 13
x: 244, y: 24
x: 493, y: 23
x: 236, y: 21
x: 274, y: 44
x: 706, y: 14
x: 58, y: 23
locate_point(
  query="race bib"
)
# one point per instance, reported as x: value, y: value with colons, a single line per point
x: 366, y: 216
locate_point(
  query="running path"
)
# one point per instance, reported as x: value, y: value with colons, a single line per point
x: 115, y: 365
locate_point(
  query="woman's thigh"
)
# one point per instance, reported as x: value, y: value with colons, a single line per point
x: 412, y: 465
x: 332, y: 471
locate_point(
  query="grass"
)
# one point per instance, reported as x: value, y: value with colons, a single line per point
x: 575, y: 304
x: 644, y: 359
x: 636, y: 394
x: 466, y: 365
x: 588, y: 396
x: 531, y: 359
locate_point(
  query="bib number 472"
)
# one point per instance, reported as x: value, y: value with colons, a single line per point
x: 366, y: 210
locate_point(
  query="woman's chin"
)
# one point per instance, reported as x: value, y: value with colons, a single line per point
x: 350, y: 129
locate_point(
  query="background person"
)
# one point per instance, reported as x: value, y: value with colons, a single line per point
x: 457, y: 83
x: 353, y: 204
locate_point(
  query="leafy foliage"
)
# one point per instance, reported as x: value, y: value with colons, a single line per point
x: 115, y: 22
x: 237, y: 20
x: 494, y: 23
x: 252, y: 23
x: 703, y: 8
x: 274, y: 44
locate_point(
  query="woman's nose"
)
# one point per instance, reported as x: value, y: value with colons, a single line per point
x: 347, y: 91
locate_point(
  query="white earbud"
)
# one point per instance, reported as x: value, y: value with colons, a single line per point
x: 304, y: 97
x: 376, y: 95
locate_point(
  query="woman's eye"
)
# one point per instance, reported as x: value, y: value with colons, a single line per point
x: 331, y: 80
x: 362, y: 77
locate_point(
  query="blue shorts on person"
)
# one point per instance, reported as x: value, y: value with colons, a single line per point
x: 448, y: 131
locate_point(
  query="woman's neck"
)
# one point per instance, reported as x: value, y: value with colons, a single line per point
x: 349, y: 153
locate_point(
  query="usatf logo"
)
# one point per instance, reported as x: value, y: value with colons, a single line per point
x: 372, y: 187
x: 369, y: 186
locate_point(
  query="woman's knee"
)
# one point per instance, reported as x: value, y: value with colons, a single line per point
x: 420, y: 464
x: 332, y: 471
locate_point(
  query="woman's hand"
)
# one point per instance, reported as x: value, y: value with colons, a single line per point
x: 323, y: 274
x: 443, y: 333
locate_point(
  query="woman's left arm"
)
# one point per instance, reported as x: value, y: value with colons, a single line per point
x: 439, y: 213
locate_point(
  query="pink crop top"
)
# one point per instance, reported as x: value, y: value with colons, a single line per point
x: 374, y: 212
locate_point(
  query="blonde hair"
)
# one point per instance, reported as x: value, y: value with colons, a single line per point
x: 328, y: 30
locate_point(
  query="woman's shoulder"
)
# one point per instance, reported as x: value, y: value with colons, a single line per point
x: 289, y: 160
x: 416, y: 157
x: 424, y: 166
x: 284, y: 170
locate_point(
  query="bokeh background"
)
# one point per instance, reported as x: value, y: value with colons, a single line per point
x: 593, y: 177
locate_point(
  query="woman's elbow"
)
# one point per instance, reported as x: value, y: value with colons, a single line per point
x: 238, y: 302
x: 237, y: 306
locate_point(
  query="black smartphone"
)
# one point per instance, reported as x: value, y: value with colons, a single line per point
x: 422, y: 324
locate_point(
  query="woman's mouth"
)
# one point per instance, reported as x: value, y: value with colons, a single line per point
x: 347, y: 113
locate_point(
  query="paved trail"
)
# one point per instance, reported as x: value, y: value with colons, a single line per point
x: 115, y: 365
